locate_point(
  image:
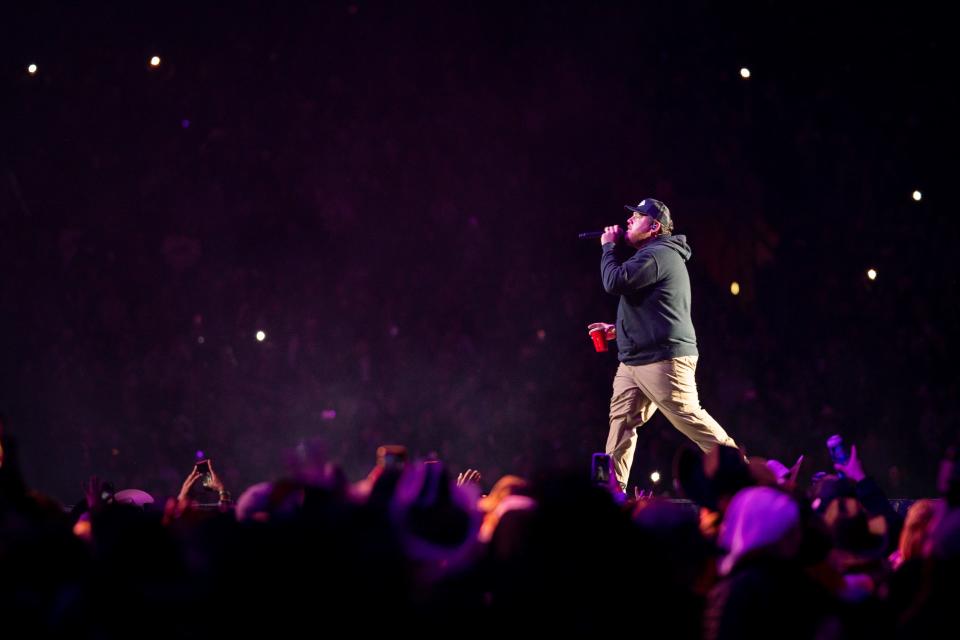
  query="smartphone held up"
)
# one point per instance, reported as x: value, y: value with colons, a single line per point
x: 600, y: 469
x: 838, y: 451
x: 203, y: 468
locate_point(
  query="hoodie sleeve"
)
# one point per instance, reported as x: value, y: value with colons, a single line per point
x: 630, y: 276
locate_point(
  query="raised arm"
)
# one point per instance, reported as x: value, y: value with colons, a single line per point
x: 630, y: 276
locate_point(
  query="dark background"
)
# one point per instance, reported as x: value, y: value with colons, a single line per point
x: 392, y: 191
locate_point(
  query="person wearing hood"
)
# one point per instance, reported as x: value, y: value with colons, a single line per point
x: 655, y: 337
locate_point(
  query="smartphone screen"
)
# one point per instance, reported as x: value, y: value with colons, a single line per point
x: 203, y: 467
x: 600, y: 472
x: 837, y: 450
x: 392, y: 461
x: 391, y: 456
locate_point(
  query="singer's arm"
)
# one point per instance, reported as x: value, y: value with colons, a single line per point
x: 630, y: 276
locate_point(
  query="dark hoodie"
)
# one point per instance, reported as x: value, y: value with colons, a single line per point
x: 653, y: 318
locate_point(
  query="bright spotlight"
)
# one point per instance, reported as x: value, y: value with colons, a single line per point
x: 917, y: 195
x: 32, y: 69
x: 735, y: 288
x: 655, y: 477
x: 155, y: 61
x: 744, y: 72
x: 261, y: 336
x: 872, y: 274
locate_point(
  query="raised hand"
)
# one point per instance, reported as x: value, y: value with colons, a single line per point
x: 470, y: 476
x: 93, y: 491
x: 214, y: 482
x: 640, y: 495
x: 794, y: 472
x: 853, y: 468
x: 188, y: 483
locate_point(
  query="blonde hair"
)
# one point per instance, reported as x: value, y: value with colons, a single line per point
x: 921, y: 520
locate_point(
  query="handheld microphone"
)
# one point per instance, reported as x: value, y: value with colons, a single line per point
x: 593, y: 235
x: 589, y: 235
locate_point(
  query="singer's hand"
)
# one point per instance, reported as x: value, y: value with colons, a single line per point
x: 609, y: 329
x: 610, y: 234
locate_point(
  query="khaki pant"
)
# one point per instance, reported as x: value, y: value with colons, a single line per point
x: 668, y: 385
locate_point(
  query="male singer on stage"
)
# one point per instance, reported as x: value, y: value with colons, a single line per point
x: 654, y: 332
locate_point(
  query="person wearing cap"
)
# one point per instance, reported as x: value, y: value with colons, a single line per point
x: 655, y: 337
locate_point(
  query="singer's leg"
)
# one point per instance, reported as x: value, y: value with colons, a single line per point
x: 629, y: 408
x: 672, y: 386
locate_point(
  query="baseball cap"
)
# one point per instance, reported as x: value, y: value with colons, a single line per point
x: 655, y: 209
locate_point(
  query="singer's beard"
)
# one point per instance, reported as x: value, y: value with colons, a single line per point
x: 638, y: 240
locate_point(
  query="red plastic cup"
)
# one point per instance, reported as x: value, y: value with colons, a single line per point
x: 599, y: 339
